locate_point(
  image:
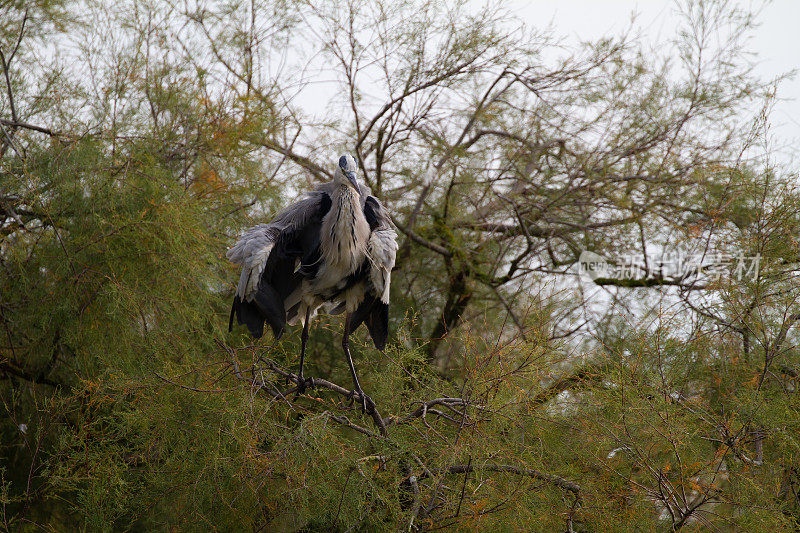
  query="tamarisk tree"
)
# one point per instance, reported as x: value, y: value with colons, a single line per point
x: 138, y: 139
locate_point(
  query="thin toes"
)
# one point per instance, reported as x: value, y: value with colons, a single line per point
x: 367, y: 405
x: 301, y: 388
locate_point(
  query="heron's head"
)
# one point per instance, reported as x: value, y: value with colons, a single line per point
x: 346, y: 173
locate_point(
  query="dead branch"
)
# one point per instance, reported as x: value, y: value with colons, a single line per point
x: 317, y: 383
x: 560, y: 482
x: 26, y: 126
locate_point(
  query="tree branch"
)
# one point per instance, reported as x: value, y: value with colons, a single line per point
x: 584, y: 376
x: 10, y: 368
x: 303, y: 161
x: 560, y: 482
x: 17, y: 124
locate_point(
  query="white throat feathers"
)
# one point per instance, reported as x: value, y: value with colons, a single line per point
x: 344, y: 234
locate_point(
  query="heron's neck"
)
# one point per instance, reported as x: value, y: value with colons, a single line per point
x: 346, y: 199
x: 345, y: 231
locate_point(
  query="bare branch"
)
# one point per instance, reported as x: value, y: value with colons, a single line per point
x: 25, y: 125
x: 560, y: 482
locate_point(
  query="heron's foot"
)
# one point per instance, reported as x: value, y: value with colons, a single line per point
x: 303, y: 384
x: 367, y: 405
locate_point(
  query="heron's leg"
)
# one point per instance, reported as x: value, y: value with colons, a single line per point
x: 366, y: 401
x: 301, y: 382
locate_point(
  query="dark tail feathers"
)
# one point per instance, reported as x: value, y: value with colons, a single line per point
x: 267, y: 306
x: 375, y: 314
x: 247, y: 314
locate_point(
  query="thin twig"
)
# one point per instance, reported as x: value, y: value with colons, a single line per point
x: 166, y: 380
x: 560, y: 482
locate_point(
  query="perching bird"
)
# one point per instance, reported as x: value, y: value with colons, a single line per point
x: 332, y: 251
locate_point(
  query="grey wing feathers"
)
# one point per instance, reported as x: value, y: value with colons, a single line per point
x: 253, y: 249
x: 252, y: 252
x: 382, y: 248
x: 382, y: 251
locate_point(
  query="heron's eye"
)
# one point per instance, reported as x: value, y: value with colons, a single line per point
x: 343, y: 161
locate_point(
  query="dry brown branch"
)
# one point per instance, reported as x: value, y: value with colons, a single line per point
x: 560, y: 482
x: 325, y: 384
x: 254, y: 376
x: 25, y: 125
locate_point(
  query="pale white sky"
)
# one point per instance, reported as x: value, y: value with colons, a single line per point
x: 776, y: 40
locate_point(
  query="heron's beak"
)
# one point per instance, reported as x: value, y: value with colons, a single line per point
x: 352, y: 177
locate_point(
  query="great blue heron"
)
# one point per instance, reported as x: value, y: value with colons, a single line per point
x: 332, y: 251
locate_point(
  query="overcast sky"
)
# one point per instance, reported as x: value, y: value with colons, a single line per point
x: 776, y: 40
